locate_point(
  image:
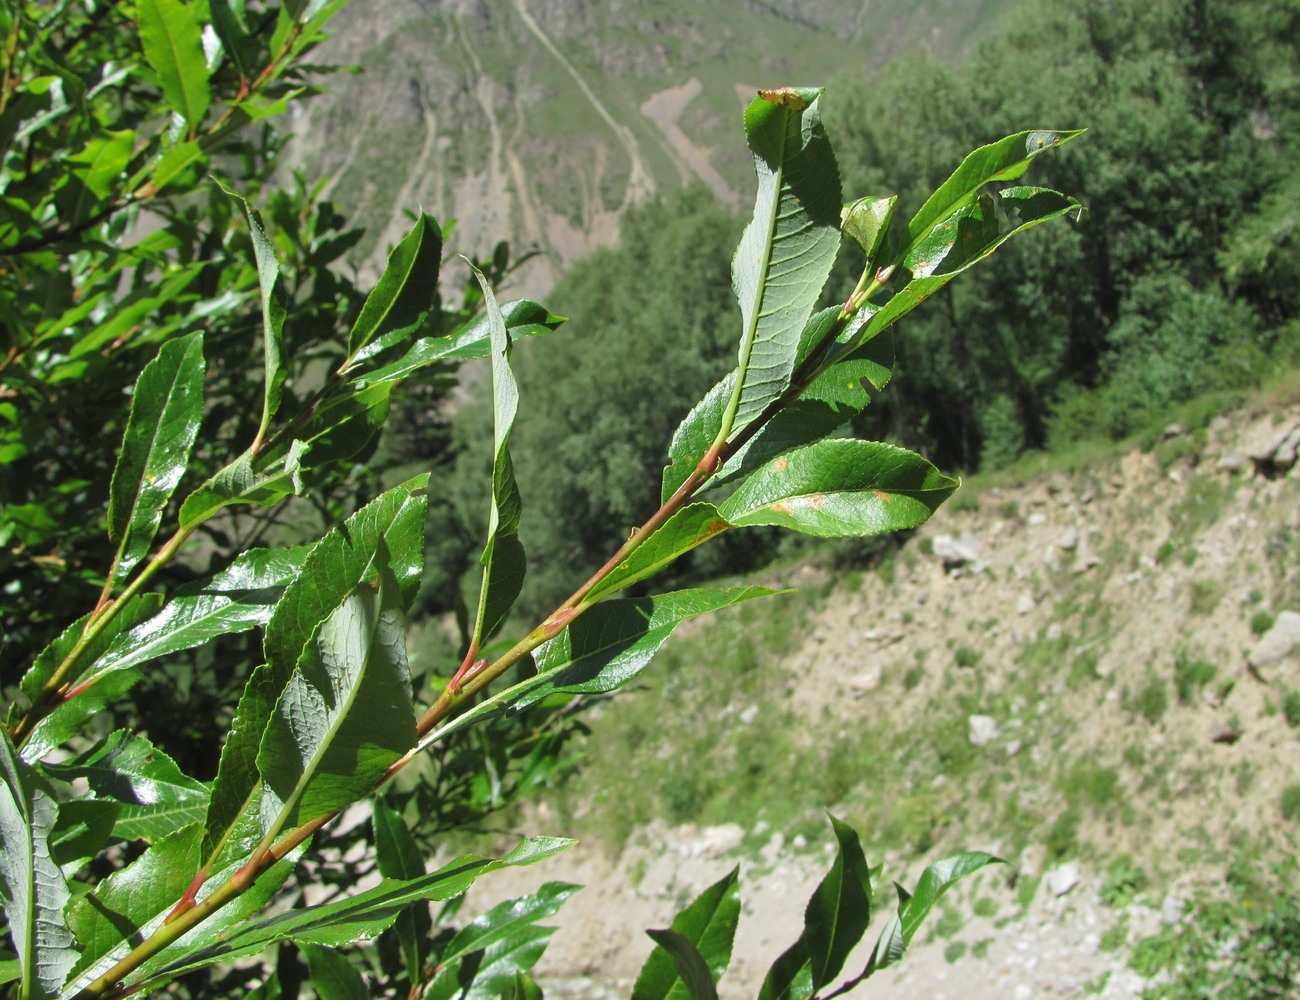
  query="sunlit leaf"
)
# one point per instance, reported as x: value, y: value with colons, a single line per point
x: 166, y: 409
x: 172, y: 35
x: 695, y: 951
x: 346, y: 714
x: 399, y: 304
x: 841, y: 488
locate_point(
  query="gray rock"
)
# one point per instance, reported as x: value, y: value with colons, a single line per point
x: 1171, y: 910
x: 1069, y: 539
x: 958, y: 550
x: 983, y: 729
x: 1063, y: 878
x: 1234, y: 462
x: 1025, y: 604
x: 1174, y: 430
x: 748, y: 716
x: 1275, y: 645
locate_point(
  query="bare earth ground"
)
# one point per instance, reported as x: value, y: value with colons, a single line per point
x: 1136, y: 561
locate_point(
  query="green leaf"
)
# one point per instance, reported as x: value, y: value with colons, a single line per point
x: 400, y: 302
x: 503, y: 559
x: 840, y: 908
x: 833, y: 398
x: 485, y: 956
x: 695, y: 434
x: 157, y: 798
x: 841, y: 488
x: 240, y: 597
x: 238, y: 483
x: 935, y: 881
x: 132, y: 898
x: 233, y: 827
x: 913, y: 909
x: 333, y: 975
x: 250, y: 904
x: 346, y: 714
x: 866, y: 223
x: 691, y: 526
x: 399, y: 858
x: 342, y: 559
x: 231, y: 27
x: 523, y: 318
x: 97, y: 170
x: 71, y: 714
x: 1003, y: 160
x: 363, y: 916
x: 166, y: 410
x: 524, y: 987
x: 273, y: 312
x: 615, y: 640
x: 609, y: 645
x: 959, y: 241
x: 32, y: 888
x: 171, y: 34
x: 787, y: 250
x: 694, y: 953
x: 693, y: 979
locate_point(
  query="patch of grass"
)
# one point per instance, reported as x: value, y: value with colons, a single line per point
x: 1062, y: 839
x: 1095, y: 987
x: 1114, y: 937
x: 1192, y: 675
x: 1291, y: 708
x: 912, y: 679
x: 986, y: 907
x: 1090, y: 782
x: 1152, y: 700
x: 980, y: 949
x: 1165, y: 552
x: 966, y: 657
x: 1026, y: 889
x: 1261, y: 622
x: 1124, y: 883
x: 954, y: 952
x: 1291, y: 802
x: 1206, y: 595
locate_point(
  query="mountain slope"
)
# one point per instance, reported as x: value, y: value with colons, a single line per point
x: 540, y: 121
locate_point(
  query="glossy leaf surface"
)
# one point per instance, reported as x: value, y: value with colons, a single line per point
x: 171, y: 34
x: 695, y: 951
x: 346, y: 714
x: 841, y: 488
x: 166, y: 409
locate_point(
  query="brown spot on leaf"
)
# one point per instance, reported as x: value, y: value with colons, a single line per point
x: 780, y: 464
x: 785, y: 96
x: 881, y: 495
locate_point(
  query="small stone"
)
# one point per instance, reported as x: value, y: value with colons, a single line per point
x: 1054, y: 632
x: 956, y: 551
x: 1174, y: 430
x: 1171, y: 910
x: 748, y: 716
x: 1225, y: 732
x: 799, y: 842
x: 1037, y: 519
x: 867, y: 680
x: 1063, y: 878
x: 983, y: 729
x: 1233, y: 462
x: 1025, y: 604
x: 1275, y: 645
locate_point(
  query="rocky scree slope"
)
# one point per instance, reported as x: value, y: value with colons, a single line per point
x: 1076, y: 671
